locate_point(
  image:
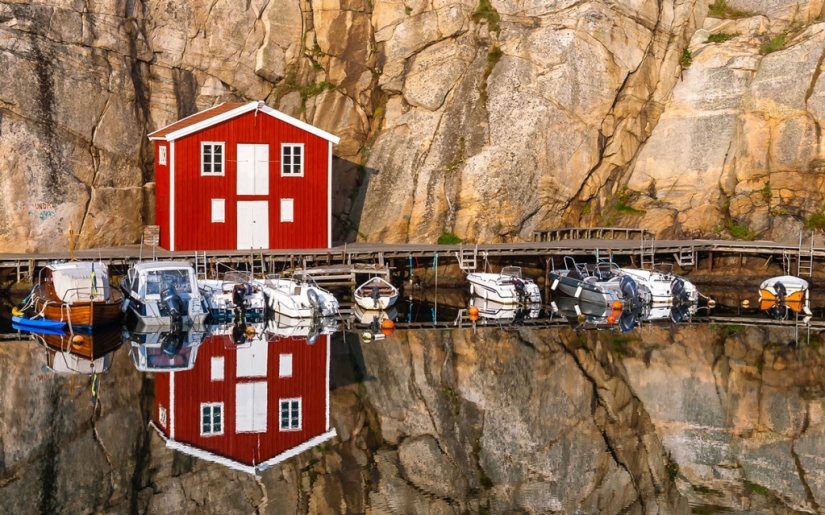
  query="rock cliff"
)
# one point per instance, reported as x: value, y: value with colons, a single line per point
x: 488, y: 119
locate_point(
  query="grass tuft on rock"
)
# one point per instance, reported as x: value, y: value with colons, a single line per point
x: 686, y: 58
x: 721, y: 9
x: 448, y: 238
x: 720, y: 37
x: 775, y: 44
x: 486, y: 11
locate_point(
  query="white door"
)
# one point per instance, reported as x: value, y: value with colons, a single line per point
x: 250, y: 407
x: 253, y: 224
x: 253, y: 169
x: 252, y: 361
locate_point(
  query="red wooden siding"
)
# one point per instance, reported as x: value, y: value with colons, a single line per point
x: 162, y: 400
x: 194, y: 387
x: 194, y: 229
x: 162, y: 193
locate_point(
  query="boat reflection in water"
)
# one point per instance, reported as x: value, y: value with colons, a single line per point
x: 156, y: 349
x: 498, y: 312
x: 258, y: 395
x: 86, y: 353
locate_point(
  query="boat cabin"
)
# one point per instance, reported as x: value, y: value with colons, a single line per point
x: 77, y: 281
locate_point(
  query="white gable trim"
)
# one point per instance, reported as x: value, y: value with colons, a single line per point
x: 228, y: 115
x: 236, y: 465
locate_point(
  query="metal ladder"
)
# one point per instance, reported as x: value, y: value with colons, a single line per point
x: 805, y: 262
x: 200, y: 264
x: 686, y: 257
x: 648, y: 252
x: 258, y: 270
x: 467, y: 258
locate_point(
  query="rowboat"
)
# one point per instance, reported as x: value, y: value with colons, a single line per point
x: 77, y: 293
x: 376, y: 293
x: 785, y: 291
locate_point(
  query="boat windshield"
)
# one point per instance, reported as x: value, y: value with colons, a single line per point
x: 663, y: 268
x: 177, y: 278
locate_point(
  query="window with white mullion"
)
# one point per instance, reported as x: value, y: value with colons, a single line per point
x: 212, y: 158
x: 290, y: 414
x: 212, y: 419
x: 292, y: 159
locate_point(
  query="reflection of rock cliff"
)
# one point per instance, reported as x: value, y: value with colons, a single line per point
x: 553, y: 113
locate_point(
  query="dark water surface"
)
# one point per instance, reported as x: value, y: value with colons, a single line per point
x: 707, y: 416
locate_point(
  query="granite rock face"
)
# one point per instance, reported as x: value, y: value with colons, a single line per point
x: 489, y: 121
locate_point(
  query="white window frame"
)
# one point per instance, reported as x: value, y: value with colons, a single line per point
x: 222, y: 218
x: 285, y: 365
x: 213, y: 144
x: 290, y: 426
x: 291, y: 219
x: 284, y: 146
x: 212, y: 406
x: 162, y: 155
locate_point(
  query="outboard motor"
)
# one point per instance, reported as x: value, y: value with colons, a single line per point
x: 677, y: 289
x: 173, y: 304
x: 521, y: 290
x: 627, y: 320
x: 678, y: 313
x: 239, y: 294
x: 239, y: 332
x: 376, y: 295
x: 781, y: 293
x: 173, y: 341
x: 629, y: 289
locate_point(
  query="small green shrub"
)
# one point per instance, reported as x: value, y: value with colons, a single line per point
x: 586, y: 209
x: 766, y: 191
x: 487, y: 12
x: 777, y: 43
x: 672, y: 470
x: 721, y: 9
x: 686, y: 59
x: 738, y: 231
x: 720, y: 37
x: 448, y: 238
x: 816, y: 221
x: 753, y: 487
x: 407, y: 10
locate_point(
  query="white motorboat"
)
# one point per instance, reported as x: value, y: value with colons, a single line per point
x: 224, y: 296
x: 376, y: 293
x: 298, y: 296
x: 163, y: 293
x: 282, y: 326
x: 785, y: 291
x: 506, y: 287
x: 157, y: 350
x: 602, y: 283
x: 663, y: 285
x: 493, y: 310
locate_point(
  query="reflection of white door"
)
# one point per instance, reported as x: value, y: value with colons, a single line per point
x: 253, y: 224
x: 253, y: 169
x: 252, y: 361
x: 250, y: 407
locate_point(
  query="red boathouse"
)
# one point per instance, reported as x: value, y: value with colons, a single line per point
x: 247, y: 407
x: 243, y: 176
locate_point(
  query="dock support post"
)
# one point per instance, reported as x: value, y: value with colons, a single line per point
x: 546, y: 279
x: 710, y: 261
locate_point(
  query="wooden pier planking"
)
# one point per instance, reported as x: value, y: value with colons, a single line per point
x: 375, y: 253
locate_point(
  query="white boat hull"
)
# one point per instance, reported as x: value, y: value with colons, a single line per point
x: 660, y: 285
x: 491, y: 287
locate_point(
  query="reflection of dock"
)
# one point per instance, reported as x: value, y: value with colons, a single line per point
x: 345, y: 260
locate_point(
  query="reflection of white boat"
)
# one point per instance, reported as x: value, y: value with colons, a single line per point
x: 297, y: 297
x: 159, y: 293
x: 676, y: 313
x: 663, y: 285
x: 223, y: 295
x: 583, y: 314
x: 68, y: 363
x: 497, y: 311
x: 785, y: 291
x: 282, y: 326
x: 507, y: 287
x: 602, y: 283
x: 368, y: 316
x: 155, y: 350
x: 376, y: 293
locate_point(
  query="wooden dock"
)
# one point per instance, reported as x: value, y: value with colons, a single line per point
x: 796, y: 259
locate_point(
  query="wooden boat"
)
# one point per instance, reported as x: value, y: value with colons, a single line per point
x: 78, y: 293
x: 376, y: 293
x: 90, y: 345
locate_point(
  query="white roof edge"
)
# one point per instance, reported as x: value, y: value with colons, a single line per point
x: 301, y: 125
x: 298, y: 449
x: 163, y: 138
x: 251, y: 106
x: 212, y: 120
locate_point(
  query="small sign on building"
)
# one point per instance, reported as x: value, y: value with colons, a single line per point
x: 151, y: 235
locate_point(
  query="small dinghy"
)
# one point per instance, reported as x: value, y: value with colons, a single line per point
x: 29, y: 324
x: 507, y: 287
x: 785, y: 291
x: 376, y: 293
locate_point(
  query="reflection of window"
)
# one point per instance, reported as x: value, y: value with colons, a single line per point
x: 292, y: 159
x: 211, y: 158
x: 285, y: 365
x: 162, y: 416
x: 290, y: 414
x: 212, y: 419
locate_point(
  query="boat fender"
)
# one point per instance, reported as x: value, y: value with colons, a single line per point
x: 124, y: 306
x: 578, y: 292
x: 555, y: 284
